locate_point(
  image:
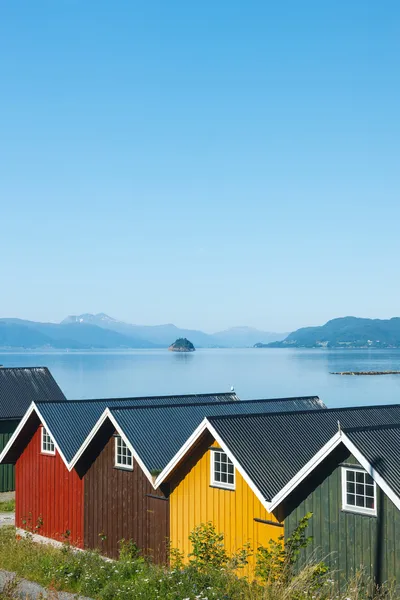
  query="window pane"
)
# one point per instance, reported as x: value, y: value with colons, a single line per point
x: 360, y: 491
x: 351, y: 499
x: 370, y: 502
x: 123, y: 457
x: 223, y: 470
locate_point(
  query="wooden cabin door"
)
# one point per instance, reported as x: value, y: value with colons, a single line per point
x: 157, y: 528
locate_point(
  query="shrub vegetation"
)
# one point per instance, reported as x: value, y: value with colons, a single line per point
x: 208, y: 573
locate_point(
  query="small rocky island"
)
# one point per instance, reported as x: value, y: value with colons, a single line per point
x: 182, y: 345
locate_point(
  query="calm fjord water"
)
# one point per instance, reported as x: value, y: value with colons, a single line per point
x: 255, y: 373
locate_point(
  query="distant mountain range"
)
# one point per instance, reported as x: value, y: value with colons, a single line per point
x: 88, y: 331
x: 345, y: 332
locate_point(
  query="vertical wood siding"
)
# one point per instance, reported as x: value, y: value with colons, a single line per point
x: 7, y: 472
x: 122, y: 504
x: 47, y: 493
x: 193, y: 501
x: 349, y: 542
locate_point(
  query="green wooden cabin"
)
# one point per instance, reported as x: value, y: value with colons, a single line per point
x: 353, y: 497
x: 18, y: 388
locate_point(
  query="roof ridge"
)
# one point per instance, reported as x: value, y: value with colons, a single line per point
x: 232, y: 402
x: 147, y: 406
x: 306, y: 411
x: 371, y: 427
x: 124, y: 398
x: 288, y: 399
x: 21, y: 368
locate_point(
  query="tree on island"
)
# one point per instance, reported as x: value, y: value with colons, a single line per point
x: 182, y: 345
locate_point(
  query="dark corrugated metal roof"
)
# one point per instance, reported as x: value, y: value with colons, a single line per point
x: 273, y: 448
x: 380, y: 446
x: 158, y: 434
x: 164, y: 422
x: 71, y: 421
x: 22, y: 385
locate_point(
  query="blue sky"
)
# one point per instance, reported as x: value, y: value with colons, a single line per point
x: 203, y: 163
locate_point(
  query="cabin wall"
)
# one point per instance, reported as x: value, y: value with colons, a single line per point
x: 49, y: 498
x: 122, y: 504
x: 7, y: 472
x: 193, y: 501
x: 348, y: 542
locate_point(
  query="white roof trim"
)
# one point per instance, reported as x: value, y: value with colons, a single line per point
x: 89, y: 438
x: 108, y: 415
x: 338, y: 438
x: 15, y: 435
x: 243, y: 473
x: 305, y: 471
x: 181, y: 453
x: 131, y: 448
x: 370, y: 469
x: 53, y: 438
x: 189, y: 444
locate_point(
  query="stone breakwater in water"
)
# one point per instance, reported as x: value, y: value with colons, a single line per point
x: 365, y: 373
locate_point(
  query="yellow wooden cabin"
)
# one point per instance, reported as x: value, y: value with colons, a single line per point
x: 205, y: 485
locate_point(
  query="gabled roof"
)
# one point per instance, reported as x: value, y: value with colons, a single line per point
x: 71, y: 422
x: 19, y: 386
x: 169, y: 427
x: 272, y: 451
x: 157, y: 426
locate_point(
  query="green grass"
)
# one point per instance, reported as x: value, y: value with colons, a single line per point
x: 7, y: 506
x: 134, y: 578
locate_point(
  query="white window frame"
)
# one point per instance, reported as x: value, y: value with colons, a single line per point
x: 117, y: 464
x: 220, y: 484
x: 362, y: 510
x: 44, y: 442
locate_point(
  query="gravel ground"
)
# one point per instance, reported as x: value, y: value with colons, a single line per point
x: 6, y: 496
x: 28, y: 590
x: 7, y: 518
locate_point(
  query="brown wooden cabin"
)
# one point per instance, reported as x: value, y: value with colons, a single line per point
x: 121, y: 503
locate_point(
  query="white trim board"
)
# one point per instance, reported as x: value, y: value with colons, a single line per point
x: 181, y: 452
x: 21, y: 425
x: 205, y: 424
x: 337, y: 439
x: 104, y: 416
x: 353, y: 508
x: 89, y: 438
x: 17, y: 432
x: 131, y: 448
x: 374, y: 474
x: 305, y: 471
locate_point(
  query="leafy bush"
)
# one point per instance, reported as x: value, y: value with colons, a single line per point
x: 277, y: 562
x: 209, y: 573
